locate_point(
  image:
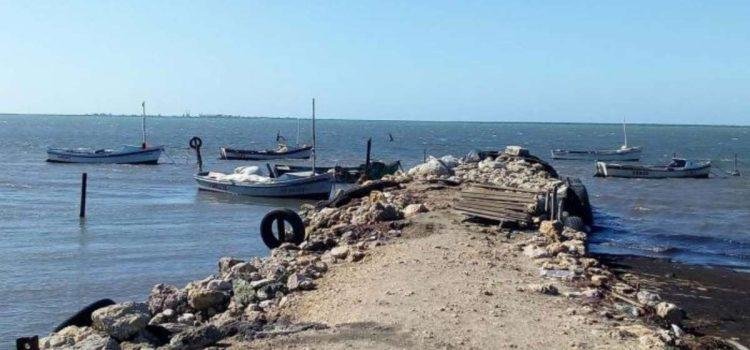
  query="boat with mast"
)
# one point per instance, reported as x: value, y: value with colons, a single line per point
x: 624, y: 153
x: 282, y: 151
x: 128, y: 154
x: 247, y: 180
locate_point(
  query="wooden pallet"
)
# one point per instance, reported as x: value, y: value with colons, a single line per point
x: 497, y: 203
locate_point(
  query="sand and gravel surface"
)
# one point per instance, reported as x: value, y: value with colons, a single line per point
x: 444, y: 284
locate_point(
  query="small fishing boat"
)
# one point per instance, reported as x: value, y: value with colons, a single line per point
x: 125, y: 155
x: 248, y: 182
x: 344, y: 174
x: 677, y: 168
x: 289, y: 185
x: 283, y: 152
x: 624, y: 153
x: 143, y: 154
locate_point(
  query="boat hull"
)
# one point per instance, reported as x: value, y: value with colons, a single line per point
x: 240, y: 154
x: 345, y: 174
x: 630, y: 154
x: 318, y: 186
x: 130, y: 156
x: 633, y: 171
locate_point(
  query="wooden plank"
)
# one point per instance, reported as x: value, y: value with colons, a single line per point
x: 470, y: 196
x: 511, y: 214
x: 490, y: 216
x: 500, y: 193
x: 508, y: 188
x: 480, y: 196
x: 493, y: 204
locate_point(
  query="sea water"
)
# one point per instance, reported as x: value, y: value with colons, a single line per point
x: 149, y: 224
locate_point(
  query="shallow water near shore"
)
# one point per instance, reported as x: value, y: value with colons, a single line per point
x: 149, y: 224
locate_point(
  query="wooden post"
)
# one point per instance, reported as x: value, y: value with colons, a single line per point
x: 84, y: 178
x: 314, y: 151
x: 367, y: 158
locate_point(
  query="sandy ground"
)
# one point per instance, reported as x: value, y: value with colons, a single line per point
x: 444, y: 284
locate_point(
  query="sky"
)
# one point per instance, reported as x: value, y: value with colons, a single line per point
x: 677, y: 62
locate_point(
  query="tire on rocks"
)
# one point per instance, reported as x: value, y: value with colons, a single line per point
x: 83, y: 318
x: 281, y: 217
x: 579, y: 204
x: 574, y: 222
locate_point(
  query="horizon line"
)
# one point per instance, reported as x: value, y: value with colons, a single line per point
x: 208, y: 116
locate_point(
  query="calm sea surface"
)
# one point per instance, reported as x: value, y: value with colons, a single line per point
x: 149, y: 224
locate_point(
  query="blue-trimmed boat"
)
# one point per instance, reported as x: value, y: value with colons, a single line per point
x: 125, y: 155
x: 143, y: 154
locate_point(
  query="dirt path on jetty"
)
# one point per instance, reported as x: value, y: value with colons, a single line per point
x: 445, y: 285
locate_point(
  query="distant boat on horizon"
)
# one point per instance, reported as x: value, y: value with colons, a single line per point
x: 143, y: 154
x: 624, y: 153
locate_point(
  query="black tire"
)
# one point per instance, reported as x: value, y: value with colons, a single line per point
x: 575, y: 222
x: 583, y: 205
x: 282, y: 216
x: 83, y: 318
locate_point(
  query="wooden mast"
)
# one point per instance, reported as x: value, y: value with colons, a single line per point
x: 143, y: 125
x: 313, y: 137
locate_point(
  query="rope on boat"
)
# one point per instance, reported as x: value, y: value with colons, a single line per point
x: 168, y: 156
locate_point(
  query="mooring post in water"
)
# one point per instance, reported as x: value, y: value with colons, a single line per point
x: 367, y: 157
x: 84, y: 178
x: 196, y: 143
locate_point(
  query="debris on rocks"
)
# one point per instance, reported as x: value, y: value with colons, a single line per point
x: 544, y: 288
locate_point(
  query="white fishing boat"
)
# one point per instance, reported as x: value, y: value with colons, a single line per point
x: 248, y: 182
x: 677, y: 168
x: 125, y: 155
x: 142, y: 154
x: 289, y: 185
x: 624, y: 153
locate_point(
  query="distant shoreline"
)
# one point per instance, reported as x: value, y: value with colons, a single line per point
x: 223, y: 116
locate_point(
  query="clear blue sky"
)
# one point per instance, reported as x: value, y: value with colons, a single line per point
x: 649, y: 61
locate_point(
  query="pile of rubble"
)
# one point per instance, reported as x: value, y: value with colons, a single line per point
x: 560, y: 253
x: 244, y: 297
x: 503, y: 170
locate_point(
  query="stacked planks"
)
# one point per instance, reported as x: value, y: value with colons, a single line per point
x: 498, y: 203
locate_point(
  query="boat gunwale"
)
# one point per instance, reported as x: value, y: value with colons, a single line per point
x: 276, y: 184
x: 61, y: 152
x: 225, y: 150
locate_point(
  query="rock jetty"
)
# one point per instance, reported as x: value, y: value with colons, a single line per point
x: 245, y: 299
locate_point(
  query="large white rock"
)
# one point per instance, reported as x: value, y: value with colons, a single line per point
x: 340, y: 252
x: 202, y: 299
x: 121, y: 321
x: 414, y: 209
x: 670, y: 313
